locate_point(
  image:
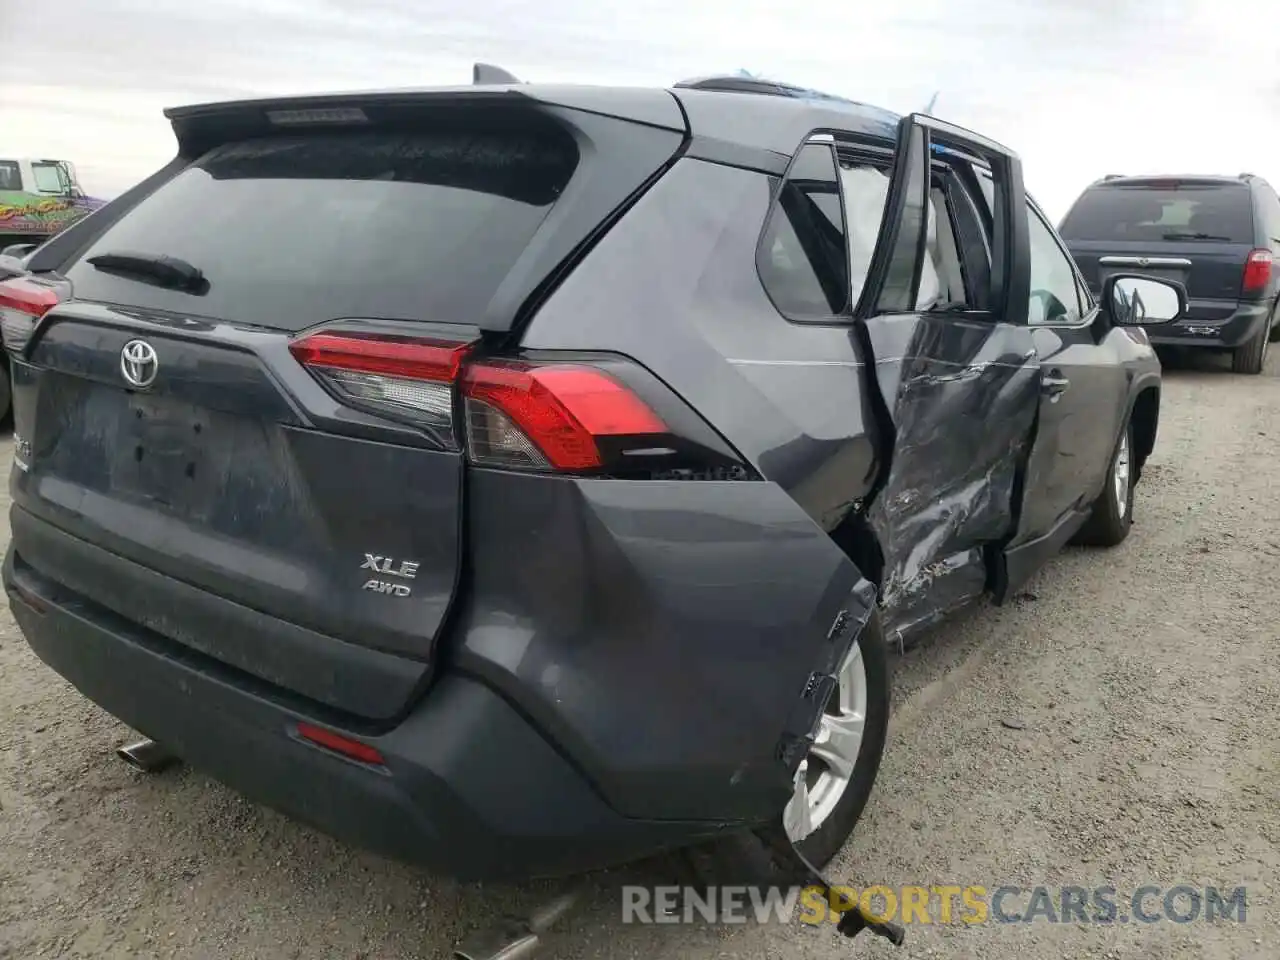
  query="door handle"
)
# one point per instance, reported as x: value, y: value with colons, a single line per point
x: 1054, y: 384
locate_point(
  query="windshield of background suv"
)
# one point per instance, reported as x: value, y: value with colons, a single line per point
x: 292, y: 231
x: 1153, y: 211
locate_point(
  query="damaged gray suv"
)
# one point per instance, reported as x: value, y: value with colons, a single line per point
x: 518, y: 480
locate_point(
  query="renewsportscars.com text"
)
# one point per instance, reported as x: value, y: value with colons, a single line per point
x: 938, y: 903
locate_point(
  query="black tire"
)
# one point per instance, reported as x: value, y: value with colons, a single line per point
x: 1251, y: 357
x: 1275, y: 323
x: 6, y: 394
x: 1109, y: 524
x: 747, y: 858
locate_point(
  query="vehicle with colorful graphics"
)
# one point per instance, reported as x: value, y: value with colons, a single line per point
x: 39, y: 198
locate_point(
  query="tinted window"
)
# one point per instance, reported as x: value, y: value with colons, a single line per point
x: 1271, y: 204
x: 897, y: 293
x: 802, y: 258
x: 1054, y: 291
x: 292, y: 231
x: 1162, y: 211
x: 10, y: 175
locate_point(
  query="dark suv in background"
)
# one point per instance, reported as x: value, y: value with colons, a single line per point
x: 1218, y: 235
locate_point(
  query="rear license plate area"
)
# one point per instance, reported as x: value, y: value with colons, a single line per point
x: 165, y: 452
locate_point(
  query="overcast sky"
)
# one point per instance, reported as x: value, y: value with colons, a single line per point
x: 1079, y: 88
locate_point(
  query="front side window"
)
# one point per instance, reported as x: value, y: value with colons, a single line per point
x: 1054, y: 291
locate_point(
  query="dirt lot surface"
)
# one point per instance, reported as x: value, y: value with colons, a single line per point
x: 1118, y: 725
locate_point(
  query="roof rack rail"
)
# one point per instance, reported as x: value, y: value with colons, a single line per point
x: 483, y: 74
x: 740, y: 84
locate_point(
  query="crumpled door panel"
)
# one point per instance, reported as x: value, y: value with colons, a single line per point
x: 963, y: 396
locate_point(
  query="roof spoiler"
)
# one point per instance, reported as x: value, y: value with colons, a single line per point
x: 484, y: 74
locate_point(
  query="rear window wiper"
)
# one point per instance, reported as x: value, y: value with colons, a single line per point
x: 1188, y: 235
x: 171, y: 272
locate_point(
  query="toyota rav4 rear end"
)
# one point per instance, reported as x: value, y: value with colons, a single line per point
x: 290, y: 498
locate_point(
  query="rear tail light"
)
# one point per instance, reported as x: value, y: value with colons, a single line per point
x: 23, y: 301
x: 550, y: 417
x: 605, y: 417
x: 1257, y: 271
x: 401, y: 376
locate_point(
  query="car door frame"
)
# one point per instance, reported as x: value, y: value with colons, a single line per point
x: 958, y: 389
x: 1054, y: 475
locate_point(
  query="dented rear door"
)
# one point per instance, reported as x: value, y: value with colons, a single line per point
x: 944, y: 310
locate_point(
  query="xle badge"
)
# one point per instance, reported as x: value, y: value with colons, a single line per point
x: 389, y: 567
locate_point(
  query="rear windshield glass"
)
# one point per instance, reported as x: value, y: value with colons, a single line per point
x: 293, y: 231
x: 1162, y: 212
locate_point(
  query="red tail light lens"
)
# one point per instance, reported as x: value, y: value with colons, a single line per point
x: 548, y: 417
x: 401, y: 376
x: 574, y: 416
x: 402, y: 357
x: 1257, y: 271
x: 23, y: 301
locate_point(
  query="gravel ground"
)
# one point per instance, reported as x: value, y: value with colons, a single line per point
x: 1117, y: 725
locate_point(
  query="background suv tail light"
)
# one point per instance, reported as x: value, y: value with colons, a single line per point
x: 1257, y: 271
x: 599, y: 416
x: 23, y: 301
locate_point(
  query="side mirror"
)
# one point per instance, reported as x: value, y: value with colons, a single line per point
x: 1136, y: 301
x: 18, y: 250
x: 11, y: 267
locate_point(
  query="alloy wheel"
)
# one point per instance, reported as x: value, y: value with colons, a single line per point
x: 1120, y: 475
x: 824, y: 775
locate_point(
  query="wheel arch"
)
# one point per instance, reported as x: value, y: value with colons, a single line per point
x: 857, y: 540
x: 1145, y: 415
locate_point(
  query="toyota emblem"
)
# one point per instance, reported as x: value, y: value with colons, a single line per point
x: 139, y: 363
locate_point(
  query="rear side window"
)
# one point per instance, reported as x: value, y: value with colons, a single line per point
x: 802, y: 258
x: 10, y: 175
x: 1271, y: 204
x: 1161, y: 211
x: 292, y: 231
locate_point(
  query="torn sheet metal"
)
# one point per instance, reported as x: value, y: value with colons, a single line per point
x: 806, y: 716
